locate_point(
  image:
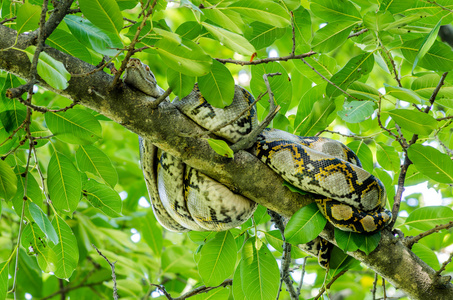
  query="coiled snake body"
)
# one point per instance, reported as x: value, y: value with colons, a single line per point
x: 185, y: 199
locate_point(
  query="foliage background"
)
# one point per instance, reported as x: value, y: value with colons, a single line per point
x: 389, y: 71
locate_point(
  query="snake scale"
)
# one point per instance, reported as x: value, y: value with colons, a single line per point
x: 185, y: 199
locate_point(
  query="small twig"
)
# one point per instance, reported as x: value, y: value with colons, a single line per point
x: 323, y: 289
x: 293, y: 50
x: 44, y: 109
x: 20, y: 90
x: 444, y: 265
x: 100, y: 68
x: 358, y: 33
x: 383, y: 288
x: 304, y: 264
x: 264, y: 60
x: 328, y: 81
x: 443, y: 7
x: 444, y: 118
x: 154, y: 104
x: 7, y: 20
x: 411, y: 240
x: 112, y: 266
x: 10, y: 137
x: 204, y: 289
x: 373, y: 291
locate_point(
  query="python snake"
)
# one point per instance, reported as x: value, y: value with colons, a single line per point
x: 185, y: 199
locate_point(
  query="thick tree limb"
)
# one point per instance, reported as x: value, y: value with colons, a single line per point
x: 168, y: 129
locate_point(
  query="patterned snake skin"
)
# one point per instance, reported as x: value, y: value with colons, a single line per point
x: 185, y: 199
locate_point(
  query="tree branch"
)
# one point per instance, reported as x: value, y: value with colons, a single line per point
x: 125, y: 106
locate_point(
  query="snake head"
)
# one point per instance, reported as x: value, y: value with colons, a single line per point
x: 139, y: 76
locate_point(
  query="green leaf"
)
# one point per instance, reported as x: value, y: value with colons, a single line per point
x: 370, y: 243
x: 426, y: 84
x: 152, y: 233
x: 176, y: 259
x: 227, y: 19
x: 426, y: 218
x: 377, y: 21
x: 263, y: 35
x: 221, y: 147
x: 35, y: 241
x: 331, y: 36
x: 320, y: 117
x: 34, y: 193
x: 238, y: 292
x: 189, y: 30
x: 322, y: 63
x: 27, y: 17
x: 4, y: 275
x: 8, y: 181
x: 201, y: 237
x: 438, y: 58
x: 91, y: 159
x: 414, y: 121
x: 93, y: 37
x: 259, y: 272
x: 356, y: 111
x: 50, y: 69
x: 426, y: 44
x: 218, y: 259
x: 43, y: 222
x: 232, y: 40
x: 355, y: 68
x: 280, y: 85
x: 74, y: 126
x: 431, y: 162
x: 217, y: 87
x: 387, y: 157
x: 103, y: 198
x: 302, y: 26
x: 180, y: 84
x: 66, y: 250
x: 264, y: 11
x: 304, y: 109
x: 427, y: 255
x: 64, y: 183
x: 66, y: 42
x: 348, y: 241
x: 12, y: 116
x: 274, y: 238
x: 364, y: 153
x: 105, y: 14
x: 340, y: 261
x: 305, y: 225
x: 294, y: 189
x: 187, y: 58
x: 402, y: 94
x: 335, y: 10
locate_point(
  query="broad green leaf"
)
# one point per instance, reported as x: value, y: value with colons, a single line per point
x: 238, y: 292
x: 356, y: 111
x: 105, y: 14
x: 66, y: 250
x: 217, y: 87
x: 431, y: 162
x: 438, y: 58
x: 227, y: 19
x: 12, y: 112
x: 189, y: 30
x: 201, y: 237
x: 302, y: 26
x: 322, y: 63
x: 264, y: 11
x: 370, y: 243
x: 387, y: 180
x: 259, y: 272
x: 180, y: 84
x: 364, y: 153
x: 348, y: 241
x: 260, y: 216
x: 176, y: 259
x: 320, y: 117
x: 232, y: 40
x: 305, y: 225
x: 35, y: 241
x: 74, y: 126
x: 215, y: 294
x: 66, y: 42
x: 280, y: 85
x: 126, y: 4
x: 274, y: 238
x: 8, y: 181
x: 218, y: 259
x: 414, y: 121
x: 387, y: 157
x: 43, y: 222
x: 152, y: 233
x: 427, y: 255
x: 335, y: 10
x: 377, y: 21
x: 4, y: 275
x: 426, y: 84
x: 263, y: 35
x: 64, y: 183
x: 331, y: 36
x: 340, y: 261
x: 294, y: 189
x: 50, y: 69
x: 426, y: 44
x: 221, y: 147
x: 355, y: 68
x: 34, y: 193
x: 363, y: 91
x: 425, y: 218
x: 103, y: 198
x: 187, y: 58
x: 91, y: 159
x: 402, y: 94
x: 27, y: 17
x: 100, y: 41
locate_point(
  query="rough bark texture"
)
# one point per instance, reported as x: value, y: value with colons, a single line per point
x: 244, y: 174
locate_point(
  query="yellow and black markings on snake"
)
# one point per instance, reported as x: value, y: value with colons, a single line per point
x: 185, y: 199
